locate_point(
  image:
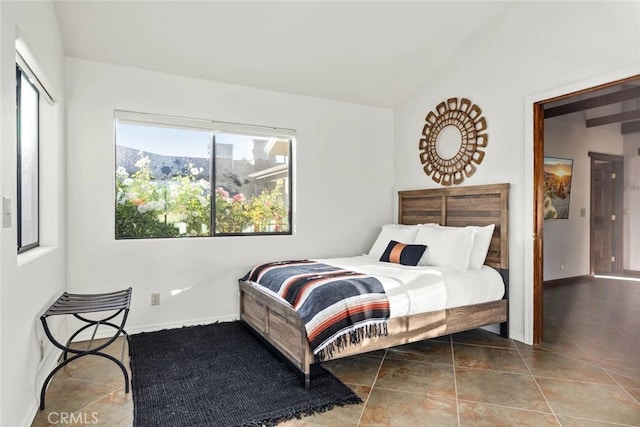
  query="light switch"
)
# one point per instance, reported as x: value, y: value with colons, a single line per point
x: 583, y: 212
x: 6, y: 212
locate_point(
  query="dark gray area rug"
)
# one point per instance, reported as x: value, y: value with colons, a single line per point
x: 221, y: 375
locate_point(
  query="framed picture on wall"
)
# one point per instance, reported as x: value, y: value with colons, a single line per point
x: 557, y: 187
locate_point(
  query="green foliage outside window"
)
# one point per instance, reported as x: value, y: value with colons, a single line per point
x: 180, y: 205
x: 169, y: 207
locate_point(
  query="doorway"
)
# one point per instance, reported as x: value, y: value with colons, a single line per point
x: 572, y: 102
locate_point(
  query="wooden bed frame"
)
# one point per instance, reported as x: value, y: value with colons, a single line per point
x: 280, y: 326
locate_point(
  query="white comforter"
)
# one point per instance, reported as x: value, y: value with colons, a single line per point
x: 413, y: 290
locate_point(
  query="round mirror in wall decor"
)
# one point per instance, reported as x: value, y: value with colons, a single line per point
x: 453, y: 141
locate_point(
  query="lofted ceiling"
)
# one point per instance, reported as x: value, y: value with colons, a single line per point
x: 368, y: 52
x: 617, y: 105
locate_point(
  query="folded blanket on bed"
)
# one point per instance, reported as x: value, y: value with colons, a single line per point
x: 338, y: 307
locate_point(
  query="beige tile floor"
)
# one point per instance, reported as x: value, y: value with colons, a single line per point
x: 586, y: 373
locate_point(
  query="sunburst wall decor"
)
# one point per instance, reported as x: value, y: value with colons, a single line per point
x: 441, y: 161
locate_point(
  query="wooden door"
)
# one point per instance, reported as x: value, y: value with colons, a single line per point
x: 607, y: 195
x: 602, y: 211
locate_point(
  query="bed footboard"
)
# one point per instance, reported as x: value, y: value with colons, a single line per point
x: 277, y: 324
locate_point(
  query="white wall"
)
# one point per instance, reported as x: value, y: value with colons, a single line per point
x: 567, y: 240
x: 342, y: 190
x: 32, y: 280
x: 531, y: 52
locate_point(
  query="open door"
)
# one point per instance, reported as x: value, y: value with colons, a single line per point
x: 606, y: 208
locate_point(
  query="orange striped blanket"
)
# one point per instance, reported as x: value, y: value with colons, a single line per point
x: 338, y: 307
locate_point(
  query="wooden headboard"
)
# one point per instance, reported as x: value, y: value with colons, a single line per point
x: 462, y: 206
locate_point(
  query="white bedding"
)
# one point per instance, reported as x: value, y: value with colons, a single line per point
x: 413, y: 290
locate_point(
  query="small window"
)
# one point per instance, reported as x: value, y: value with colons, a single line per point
x: 27, y: 108
x: 190, y: 178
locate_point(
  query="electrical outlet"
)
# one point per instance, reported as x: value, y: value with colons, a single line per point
x: 561, y: 265
x: 155, y: 298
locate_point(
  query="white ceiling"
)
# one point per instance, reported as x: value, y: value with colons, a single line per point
x: 368, y: 52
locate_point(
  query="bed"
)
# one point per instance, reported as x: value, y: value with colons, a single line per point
x: 275, y: 321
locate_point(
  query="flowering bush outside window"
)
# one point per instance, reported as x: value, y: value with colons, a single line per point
x: 165, y: 186
x: 262, y: 213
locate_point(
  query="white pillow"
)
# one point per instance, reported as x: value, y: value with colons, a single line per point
x: 446, y: 246
x: 481, y: 243
x: 399, y: 233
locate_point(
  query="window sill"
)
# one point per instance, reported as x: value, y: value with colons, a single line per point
x: 34, y: 254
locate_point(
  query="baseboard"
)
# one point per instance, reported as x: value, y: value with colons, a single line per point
x: 517, y: 337
x: 571, y: 280
x: 32, y: 412
x: 108, y: 332
x: 566, y: 280
x: 495, y: 328
x: 46, y: 366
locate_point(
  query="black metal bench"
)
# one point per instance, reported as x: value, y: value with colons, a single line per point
x: 78, y: 305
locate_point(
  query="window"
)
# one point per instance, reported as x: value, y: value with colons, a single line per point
x: 27, y: 108
x: 187, y: 178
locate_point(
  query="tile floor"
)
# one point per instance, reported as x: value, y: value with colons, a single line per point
x: 586, y: 373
